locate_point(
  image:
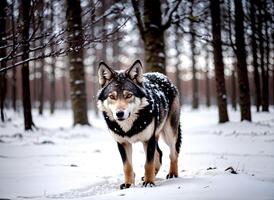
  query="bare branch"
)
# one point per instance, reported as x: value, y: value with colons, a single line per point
x: 43, y: 55
x: 104, y: 37
x: 137, y: 13
x: 167, y: 19
x: 10, y: 54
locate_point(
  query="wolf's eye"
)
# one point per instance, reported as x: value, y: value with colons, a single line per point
x: 128, y: 96
x: 111, y: 96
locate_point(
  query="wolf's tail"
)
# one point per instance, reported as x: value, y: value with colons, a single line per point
x: 179, y: 139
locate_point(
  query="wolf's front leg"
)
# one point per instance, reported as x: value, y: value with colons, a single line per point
x: 125, y: 150
x: 149, y: 148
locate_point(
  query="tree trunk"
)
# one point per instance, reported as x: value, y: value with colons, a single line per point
x: 265, y: 94
x: 24, y: 10
x: 13, y: 85
x: 52, y: 77
x: 94, y: 64
x: 41, y: 93
x: 241, y: 62
x: 257, y: 82
x: 218, y: 61
x: 13, y: 90
x: 102, y: 53
x: 264, y: 71
x: 95, y: 87
x: 152, y: 34
x: 104, y: 48
x: 115, y: 51
x: 77, y: 73
x: 152, y: 31
x: 272, y: 84
x: 64, y: 89
x: 154, y: 38
x: 41, y: 87
x: 177, y: 57
x: 3, y: 79
x: 208, y: 102
x: 195, y: 89
x: 52, y: 86
x: 115, y: 45
x: 233, y: 90
x: 34, y: 81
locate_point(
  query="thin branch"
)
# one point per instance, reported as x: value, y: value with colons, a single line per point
x: 60, y: 52
x: 51, y: 54
x: 7, y: 57
x: 91, y: 9
x: 203, y: 37
x: 137, y: 13
x: 168, y: 18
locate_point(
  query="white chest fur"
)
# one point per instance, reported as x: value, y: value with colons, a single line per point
x: 143, y: 136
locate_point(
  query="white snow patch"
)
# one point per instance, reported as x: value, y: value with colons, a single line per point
x: 59, y: 161
x: 78, y: 82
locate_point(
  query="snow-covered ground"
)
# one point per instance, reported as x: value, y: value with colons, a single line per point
x: 60, y: 162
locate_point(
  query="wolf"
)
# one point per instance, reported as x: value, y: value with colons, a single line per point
x: 140, y: 107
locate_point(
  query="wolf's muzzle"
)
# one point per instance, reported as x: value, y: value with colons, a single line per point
x: 120, y: 115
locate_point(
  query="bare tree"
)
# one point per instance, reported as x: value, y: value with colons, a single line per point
x: 115, y: 45
x: 256, y: 74
x: 3, y: 79
x: 103, y: 25
x: 264, y: 52
x: 195, y: 87
x: 13, y: 84
x: 64, y: 88
x: 218, y: 61
x: 24, y: 17
x: 208, y: 102
x: 177, y: 65
x: 94, y: 64
x: 59, y: 40
x: 52, y: 63
x: 233, y: 88
x: 41, y: 90
x: 77, y: 74
x: 241, y: 62
x: 152, y: 27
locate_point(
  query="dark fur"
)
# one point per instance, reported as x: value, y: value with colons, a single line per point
x: 121, y: 82
x: 160, y: 94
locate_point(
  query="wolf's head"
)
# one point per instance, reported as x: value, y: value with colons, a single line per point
x: 122, y: 94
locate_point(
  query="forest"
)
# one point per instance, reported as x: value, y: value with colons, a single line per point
x: 217, y: 52
x: 55, y: 143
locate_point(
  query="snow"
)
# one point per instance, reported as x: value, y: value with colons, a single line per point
x: 161, y: 55
x: 154, y: 26
x: 78, y: 82
x: 58, y: 161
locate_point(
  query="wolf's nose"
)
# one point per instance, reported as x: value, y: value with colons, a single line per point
x: 120, y: 114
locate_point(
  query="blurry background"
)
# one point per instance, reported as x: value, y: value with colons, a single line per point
x: 50, y: 50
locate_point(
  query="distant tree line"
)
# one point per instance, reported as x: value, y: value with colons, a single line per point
x: 53, y: 48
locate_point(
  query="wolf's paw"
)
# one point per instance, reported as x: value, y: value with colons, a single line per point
x: 125, y: 186
x: 171, y: 175
x: 148, y: 183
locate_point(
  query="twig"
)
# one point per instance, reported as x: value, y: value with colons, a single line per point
x: 168, y: 18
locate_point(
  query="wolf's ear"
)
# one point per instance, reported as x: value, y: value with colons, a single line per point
x: 105, y: 73
x: 135, y: 72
